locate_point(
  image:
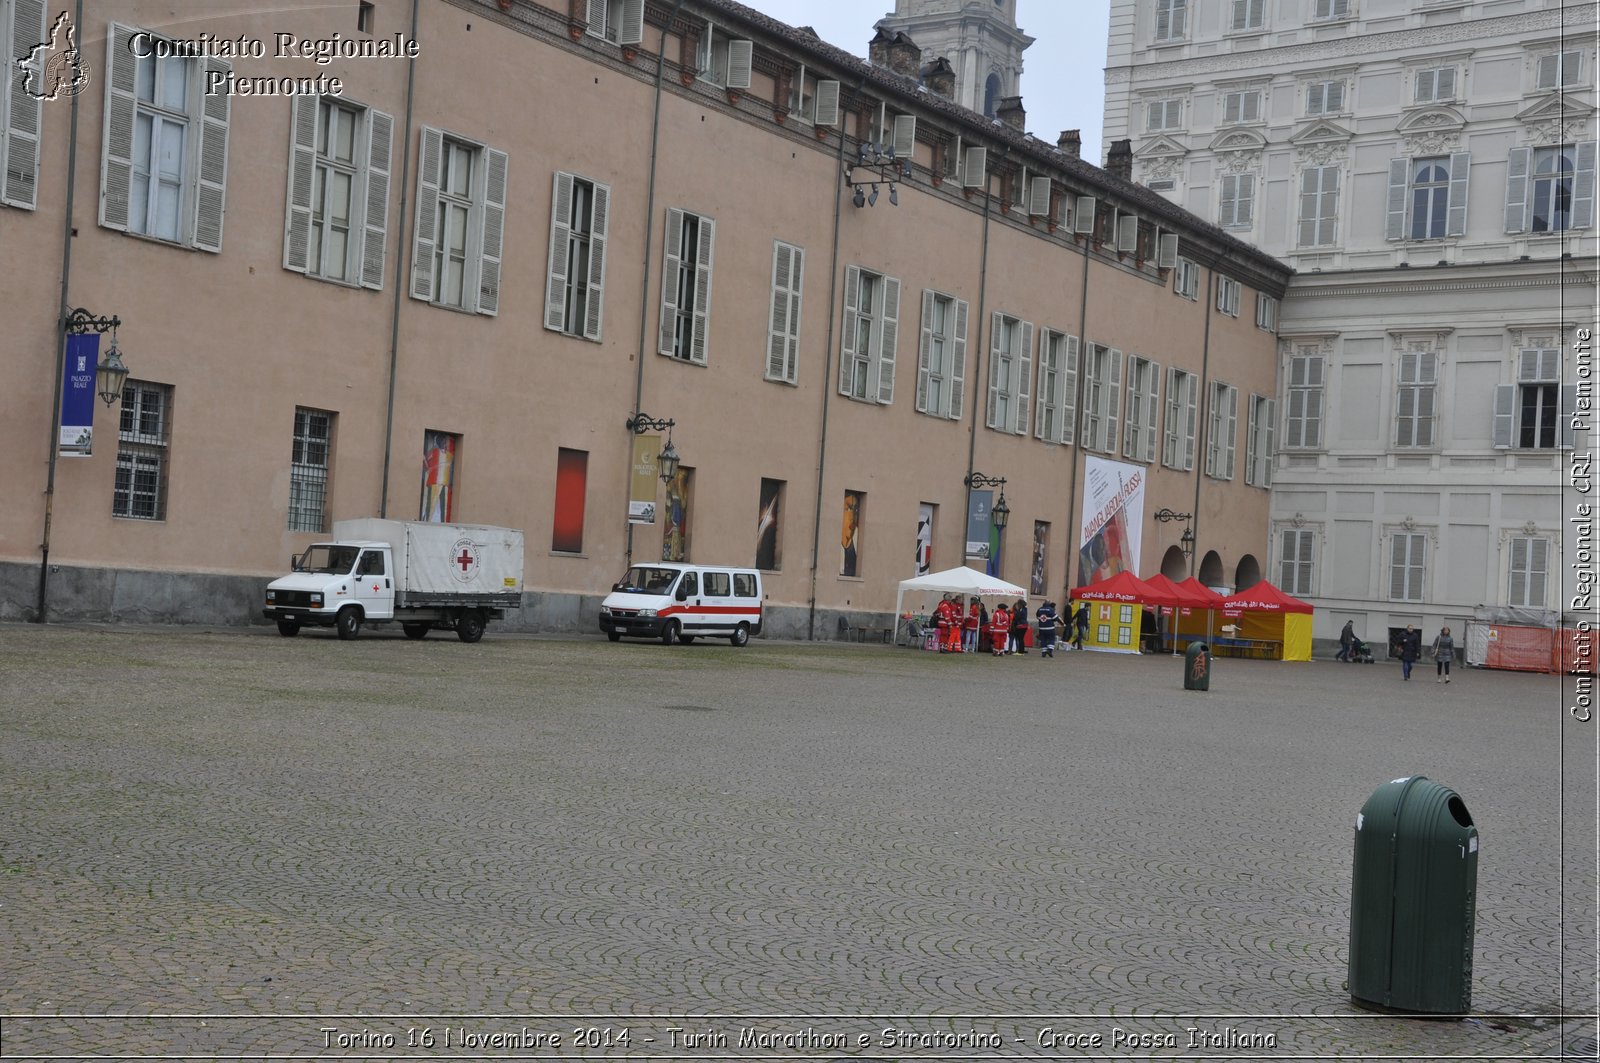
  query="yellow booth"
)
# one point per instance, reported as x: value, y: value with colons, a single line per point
x: 1264, y: 622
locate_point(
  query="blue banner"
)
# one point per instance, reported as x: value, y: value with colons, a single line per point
x: 77, y: 396
x: 978, y: 524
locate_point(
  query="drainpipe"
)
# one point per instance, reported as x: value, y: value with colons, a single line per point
x: 649, y: 235
x: 827, y: 377
x: 978, y: 393
x: 1077, y: 429
x: 399, y: 270
x: 41, y: 606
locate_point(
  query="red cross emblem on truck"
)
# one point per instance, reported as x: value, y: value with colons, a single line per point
x: 465, y: 560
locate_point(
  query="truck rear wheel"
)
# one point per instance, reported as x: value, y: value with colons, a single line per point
x: 669, y: 632
x: 288, y: 628
x: 348, y: 622
x: 469, y: 628
x: 418, y: 630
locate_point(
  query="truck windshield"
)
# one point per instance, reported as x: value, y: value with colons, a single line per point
x: 645, y: 579
x: 328, y: 558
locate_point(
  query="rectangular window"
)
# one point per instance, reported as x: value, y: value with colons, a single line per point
x: 1407, y: 564
x: 575, y: 277
x: 364, y: 17
x: 1228, y: 296
x: 1559, y: 70
x: 942, y: 355
x: 1331, y: 9
x: 1222, y: 431
x: 1260, y: 432
x: 711, y: 55
x: 1010, y: 373
x: 871, y: 328
x: 1297, y: 561
x: 1139, y: 432
x: 686, y: 286
x: 1529, y: 413
x: 1177, y: 441
x: 783, y: 329
x: 1436, y: 84
x: 803, y: 96
x: 308, y: 470
x: 337, y: 218
x: 441, y: 456
x: 605, y: 19
x: 1237, y: 209
x: 1186, y: 279
x: 164, y: 171
x: 1057, y: 389
x: 142, y: 450
x: 1248, y: 15
x: 1429, y: 197
x: 769, y: 525
x: 1550, y: 189
x: 855, y: 504
x: 572, y: 488
x: 744, y: 584
x: 1241, y: 106
x: 717, y: 584
x: 1530, y: 569
x: 1324, y: 97
x: 1172, y: 19
x: 1266, y: 312
x: 1164, y: 114
x: 1102, y: 398
x: 460, y: 221
x: 1417, y: 380
x: 1319, y: 205
x: 1303, y: 427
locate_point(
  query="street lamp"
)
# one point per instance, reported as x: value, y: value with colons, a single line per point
x: 1001, y: 513
x: 110, y: 374
x: 640, y: 423
x: 1186, y: 543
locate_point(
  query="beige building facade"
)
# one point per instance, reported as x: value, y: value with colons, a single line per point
x: 355, y: 281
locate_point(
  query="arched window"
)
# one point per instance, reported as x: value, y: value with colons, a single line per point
x: 991, y: 95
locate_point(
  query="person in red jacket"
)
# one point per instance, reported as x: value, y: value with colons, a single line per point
x: 952, y: 641
x: 999, y: 630
x: 969, y: 629
x: 941, y: 619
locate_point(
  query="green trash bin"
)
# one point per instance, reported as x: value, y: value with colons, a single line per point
x: 1413, y: 900
x: 1197, y: 667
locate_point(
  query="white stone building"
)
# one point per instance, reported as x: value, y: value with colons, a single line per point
x: 979, y: 38
x: 1428, y: 169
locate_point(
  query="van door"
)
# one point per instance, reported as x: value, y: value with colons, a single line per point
x: 374, y: 587
x: 716, y: 592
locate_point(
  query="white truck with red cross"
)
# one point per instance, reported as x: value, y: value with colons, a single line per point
x: 455, y: 577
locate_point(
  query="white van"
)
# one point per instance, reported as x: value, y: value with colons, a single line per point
x: 678, y: 602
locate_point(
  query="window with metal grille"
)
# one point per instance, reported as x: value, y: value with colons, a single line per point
x: 1297, y: 561
x: 1408, y: 553
x: 308, y: 470
x: 142, y: 447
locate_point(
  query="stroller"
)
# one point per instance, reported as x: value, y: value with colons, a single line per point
x: 1359, y: 653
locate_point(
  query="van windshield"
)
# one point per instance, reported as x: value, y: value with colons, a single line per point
x: 325, y: 557
x: 647, y: 579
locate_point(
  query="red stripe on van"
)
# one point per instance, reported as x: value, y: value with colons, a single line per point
x: 673, y: 610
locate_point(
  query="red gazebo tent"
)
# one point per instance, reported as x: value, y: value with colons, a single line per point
x: 1264, y: 614
x: 1190, y: 598
x: 1117, y: 607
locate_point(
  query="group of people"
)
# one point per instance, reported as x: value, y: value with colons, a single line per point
x: 1409, y: 646
x: 1006, y: 629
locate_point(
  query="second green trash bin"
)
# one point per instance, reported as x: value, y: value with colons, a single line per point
x: 1197, y: 667
x: 1413, y: 900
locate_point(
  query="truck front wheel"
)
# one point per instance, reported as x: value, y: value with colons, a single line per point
x: 349, y: 622
x: 470, y: 627
x: 288, y: 628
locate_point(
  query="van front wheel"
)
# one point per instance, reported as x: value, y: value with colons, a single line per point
x: 669, y: 633
x: 741, y: 635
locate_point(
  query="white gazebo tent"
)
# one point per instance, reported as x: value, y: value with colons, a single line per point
x: 968, y: 582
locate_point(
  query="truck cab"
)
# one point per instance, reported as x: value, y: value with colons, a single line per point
x: 329, y: 576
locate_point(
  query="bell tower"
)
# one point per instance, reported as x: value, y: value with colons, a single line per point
x: 980, y: 39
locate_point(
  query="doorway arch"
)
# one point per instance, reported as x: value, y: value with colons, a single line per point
x: 1211, y: 570
x: 1247, y: 573
x: 1174, y: 565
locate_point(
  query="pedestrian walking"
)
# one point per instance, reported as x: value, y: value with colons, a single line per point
x: 1046, y: 617
x: 1444, y: 651
x: 1410, y: 650
x: 999, y: 630
x: 1019, y: 627
x: 1347, y: 639
x: 1080, y: 625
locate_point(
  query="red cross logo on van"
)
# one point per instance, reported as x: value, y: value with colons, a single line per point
x: 464, y: 560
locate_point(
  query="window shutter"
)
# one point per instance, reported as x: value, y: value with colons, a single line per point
x: 1333, y: 98
x: 785, y: 325
x: 848, y: 353
x: 1167, y: 250
x: 22, y: 113
x: 380, y: 142
x: 1191, y: 421
x: 631, y: 30
x: 1549, y: 70
x: 555, y: 297
x: 995, y: 322
x: 827, y: 103
x: 904, y: 144
x: 422, y: 247
x: 1083, y: 215
x: 1039, y: 197
x: 1251, y: 456
x: 116, y: 159
x: 1113, y: 393
x: 1152, y: 405
x: 1127, y: 232
x: 975, y: 168
x: 1564, y: 417
x: 1169, y: 427
x: 1047, y: 399
x: 1583, y: 186
x: 211, y: 189
x: 924, y: 351
x: 1229, y: 201
x: 1445, y: 85
x: 1517, y: 167
x: 1398, y: 551
x: 741, y: 57
x: 1155, y: 115
x: 1505, y: 413
x: 492, y: 232
x: 888, y: 338
x: 598, y: 225
x: 1460, y: 164
x: 302, y: 174
x: 669, y: 280
x: 1069, y: 392
x: 1519, y: 571
x: 958, y: 361
x: 1024, y: 378
x: 702, y: 290
x: 1233, y: 431
x: 1399, y: 182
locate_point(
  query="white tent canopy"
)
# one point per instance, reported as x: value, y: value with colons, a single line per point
x: 968, y: 582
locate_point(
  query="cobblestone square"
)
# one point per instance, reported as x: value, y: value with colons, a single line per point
x: 222, y: 843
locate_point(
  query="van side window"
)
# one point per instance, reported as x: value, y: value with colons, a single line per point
x: 716, y: 584
x: 744, y: 584
x: 372, y: 563
x: 690, y: 584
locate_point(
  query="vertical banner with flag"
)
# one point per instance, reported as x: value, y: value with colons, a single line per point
x: 979, y: 524
x: 642, y: 481
x: 1113, y: 519
x: 77, y: 396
